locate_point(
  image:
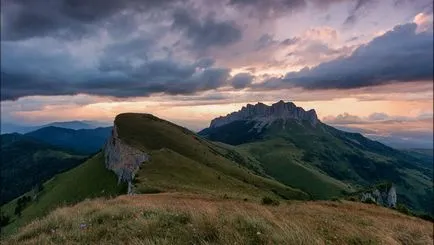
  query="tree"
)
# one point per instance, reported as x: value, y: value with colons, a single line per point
x: 17, y: 211
x: 4, y: 219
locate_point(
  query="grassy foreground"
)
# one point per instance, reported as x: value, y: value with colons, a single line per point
x: 189, y: 219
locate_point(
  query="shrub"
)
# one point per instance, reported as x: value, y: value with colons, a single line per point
x: 335, y: 199
x: 148, y: 190
x: 370, y: 201
x: 403, y: 209
x: 270, y: 201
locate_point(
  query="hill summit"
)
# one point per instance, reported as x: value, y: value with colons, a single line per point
x: 267, y: 114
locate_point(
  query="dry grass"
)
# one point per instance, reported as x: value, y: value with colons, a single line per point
x: 189, y: 219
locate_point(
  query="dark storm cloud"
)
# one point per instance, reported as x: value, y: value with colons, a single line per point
x: 69, y: 18
x: 400, y: 55
x: 153, y: 77
x: 205, y: 62
x: 205, y: 33
x: 267, y: 8
x: 132, y: 75
x: 241, y: 80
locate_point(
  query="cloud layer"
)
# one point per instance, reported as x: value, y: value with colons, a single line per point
x: 400, y: 55
x: 135, y: 48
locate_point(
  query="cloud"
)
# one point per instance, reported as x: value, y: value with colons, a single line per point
x: 265, y: 41
x: 241, y: 80
x: 374, y: 118
x: 193, y: 48
x: 396, y: 131
x: 424, y: 22
x: 400, y: 55
x: 267, y: 8
x: 207, y: 33
x: 344, y: 118
x: 67, y: 18
x: 114, y: 78
x: 378, y: 116
x: 357, y: 9
x: 290, y: 41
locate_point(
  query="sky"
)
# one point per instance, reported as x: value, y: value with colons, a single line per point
x: 363, y: 65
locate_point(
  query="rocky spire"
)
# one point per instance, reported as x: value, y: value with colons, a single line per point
x: 262, y: 112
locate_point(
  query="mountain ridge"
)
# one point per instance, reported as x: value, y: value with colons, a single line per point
x: 76, y: 125
x: 85, y: 141
x: 266, y: 114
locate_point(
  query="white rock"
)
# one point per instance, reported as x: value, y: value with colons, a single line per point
x: 122, y: 158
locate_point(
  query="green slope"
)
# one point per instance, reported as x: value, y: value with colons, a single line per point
x: 182, y: 161
x: 88, y: 180
x: 282, y: 161
x: 324, y: 161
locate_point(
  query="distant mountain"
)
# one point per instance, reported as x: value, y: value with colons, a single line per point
x: 26, y: 163
x: 263, y: 114
x: 296, y: 148
x: 72, y: 125
x: 16, y: 128
x: 394, y: 140
x: 83, y: 141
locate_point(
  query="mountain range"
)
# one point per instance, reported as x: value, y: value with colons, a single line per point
x: 22, y: 129
x: 83, y: 141
x: 271, y: 155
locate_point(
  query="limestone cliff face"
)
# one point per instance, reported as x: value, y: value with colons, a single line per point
x: 386, y: 197
x: 122, y: 158
x: 263, y: 113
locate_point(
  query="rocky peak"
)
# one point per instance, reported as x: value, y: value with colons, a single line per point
x: 261, y: 113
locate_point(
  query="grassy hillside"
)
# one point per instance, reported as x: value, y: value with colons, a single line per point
x: 190, y: 219
x: 282, y: 161
x: 88, y: 180
x: 26, y: 163
x: 325, y: 162
x: 182, y: 161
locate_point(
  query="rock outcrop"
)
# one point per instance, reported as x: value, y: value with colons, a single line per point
x: 385, y: 197
x: 122, y: 158
x: 265, y: 114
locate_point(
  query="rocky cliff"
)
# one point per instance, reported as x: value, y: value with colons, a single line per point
x: 122, y: 158
x: 265, y: 114
x: 384, y: 196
